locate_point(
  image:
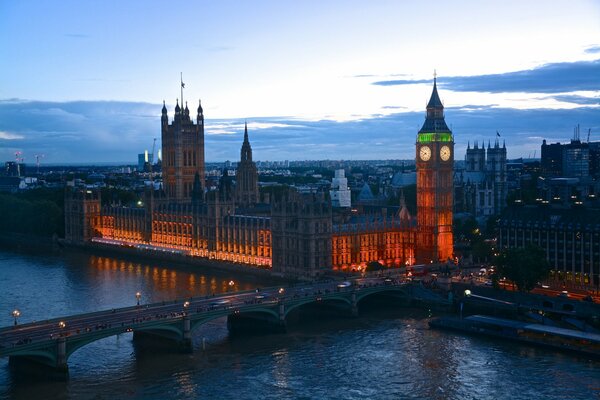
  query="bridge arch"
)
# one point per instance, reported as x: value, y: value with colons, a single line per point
x: 395, y: 290
x: 337, y: 299
x: 44, y: 357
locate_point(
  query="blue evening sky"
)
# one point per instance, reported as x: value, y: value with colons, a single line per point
x: 84, y: 81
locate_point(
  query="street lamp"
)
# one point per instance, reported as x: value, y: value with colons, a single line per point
x: 281, y: 290
x: 16, y: 314
x: 138, y: 296
x: 186, y: 304
x: 231, y: 285
x: 62, y: 324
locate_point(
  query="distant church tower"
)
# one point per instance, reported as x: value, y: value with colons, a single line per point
x: 435, y: 164
x: 246, y: 186
x: 182, y: 151
x: 496, y: 170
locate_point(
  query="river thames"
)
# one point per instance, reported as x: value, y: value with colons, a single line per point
x: 386, y: 353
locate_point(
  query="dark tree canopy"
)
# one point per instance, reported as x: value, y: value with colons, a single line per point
x: 524, y: 266
x: 374, y: 266
x: 34, y: 213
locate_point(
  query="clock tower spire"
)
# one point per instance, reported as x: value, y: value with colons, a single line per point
x: 435, y: 169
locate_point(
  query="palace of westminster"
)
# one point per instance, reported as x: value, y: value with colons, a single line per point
x: 296, y: 235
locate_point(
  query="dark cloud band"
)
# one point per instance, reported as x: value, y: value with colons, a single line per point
x: 549, y: 78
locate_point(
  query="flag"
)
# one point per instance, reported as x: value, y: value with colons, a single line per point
x: 183, y: 86
x: 497, y: 134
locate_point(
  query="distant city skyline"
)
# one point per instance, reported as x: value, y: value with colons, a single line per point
x: 339, y: 80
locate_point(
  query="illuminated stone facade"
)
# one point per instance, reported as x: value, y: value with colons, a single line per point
x: 435, y: 167
x: 297, y: 238
x: 182, y: 152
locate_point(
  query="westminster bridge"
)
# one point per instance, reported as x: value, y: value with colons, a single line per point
x: 49, y: 344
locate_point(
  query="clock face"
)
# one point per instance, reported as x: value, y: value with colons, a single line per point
x: 445, y: 153
x: 425, y: 153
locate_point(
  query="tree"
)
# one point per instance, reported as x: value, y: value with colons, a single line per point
x: 482, y: 250
x: 524, y: 266
x: 374, y: 266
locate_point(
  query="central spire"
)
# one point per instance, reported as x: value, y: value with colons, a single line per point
x: 434, y: 121
x: 246, y: 149
x: 434, y: 101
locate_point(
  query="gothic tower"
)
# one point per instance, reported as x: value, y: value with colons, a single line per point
x: 183, y: 152
x: 246, y: 187
x: 496, y: 170
x: 475, y: 158
x: 435, y: 164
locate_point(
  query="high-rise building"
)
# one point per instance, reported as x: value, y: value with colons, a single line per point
x: 145, y: 161
x: 182, y: 151
x: 435, y: 164
x: 340, y: 192
x: 576, y: 159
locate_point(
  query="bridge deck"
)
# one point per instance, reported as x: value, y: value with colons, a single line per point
x: 26, y: 338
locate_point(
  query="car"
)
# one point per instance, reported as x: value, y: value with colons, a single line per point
x: 219, y: 302
x: 344, y: 285
x: 488, y: 282
x: 564, y: 294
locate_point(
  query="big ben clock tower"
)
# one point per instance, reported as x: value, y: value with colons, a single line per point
x: 435, y: 164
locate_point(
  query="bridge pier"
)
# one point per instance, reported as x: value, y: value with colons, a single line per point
x: 186, y: 342
x: 61, y: 355
x: 354, y: 310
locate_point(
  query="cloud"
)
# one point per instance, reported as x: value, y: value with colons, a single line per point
x: 577, y: 99
x: 396, y: 82
x: 105, y: 131
x: 219, y: 49
x: 548, y: 78
x: 9, y: 136
x: 593, y: 49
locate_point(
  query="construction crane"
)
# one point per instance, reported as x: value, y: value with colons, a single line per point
x: 19, y: 160
x: 151, y: 162
x: 37, y: 161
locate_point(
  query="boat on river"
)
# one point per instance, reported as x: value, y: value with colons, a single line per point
x: 537, y: 334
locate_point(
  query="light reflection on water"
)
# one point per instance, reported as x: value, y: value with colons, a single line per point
x: 385, y: 354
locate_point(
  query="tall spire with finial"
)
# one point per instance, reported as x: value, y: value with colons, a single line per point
x: 246, y: 149
x: 434, y: 121
x: 182, y: 87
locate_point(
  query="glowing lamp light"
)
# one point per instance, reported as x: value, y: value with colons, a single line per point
x: 16, y: 314
x: 186, y: 304
x: 138, y: 296
x: 281, y: 290
x: 467, y: 293
x: 62, y: 325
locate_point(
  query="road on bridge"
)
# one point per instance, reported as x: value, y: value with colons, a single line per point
x: 129, y: 317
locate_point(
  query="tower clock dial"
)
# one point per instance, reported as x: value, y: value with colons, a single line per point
x: 425, y: 153
x: 445, y: 153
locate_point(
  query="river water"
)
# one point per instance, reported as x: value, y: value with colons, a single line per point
x: 387, y: 353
